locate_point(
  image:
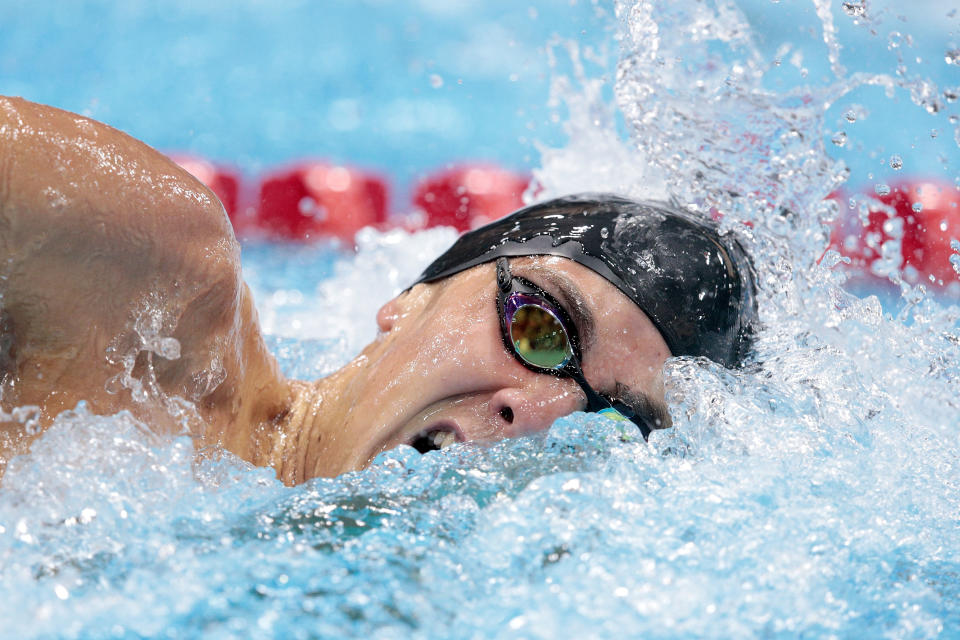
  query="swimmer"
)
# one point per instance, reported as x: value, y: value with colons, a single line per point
x: 120, y: 286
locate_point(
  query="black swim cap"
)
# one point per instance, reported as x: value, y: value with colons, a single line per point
x: 694, y: 284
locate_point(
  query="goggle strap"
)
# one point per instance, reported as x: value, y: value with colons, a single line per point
x: 600, y: 405
x: 595, y: 401
x: 504, y: 277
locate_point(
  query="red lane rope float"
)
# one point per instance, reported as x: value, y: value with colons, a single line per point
x: 311, y: 200
x: 468, y: 196
x: 315, y: 199
x: 924, y: 214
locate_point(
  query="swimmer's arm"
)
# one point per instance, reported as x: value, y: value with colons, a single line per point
x: 96, y: 230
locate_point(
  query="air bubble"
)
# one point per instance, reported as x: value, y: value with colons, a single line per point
x: 839, y: 138
x: 952, y: 56
x: 850, y: 115
x: 917, y: 207
x: 881, y: 189
x: 896, y: 162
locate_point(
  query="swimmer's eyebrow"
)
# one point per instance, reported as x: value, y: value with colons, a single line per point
x: 656, y: 413
x: 572, y: 300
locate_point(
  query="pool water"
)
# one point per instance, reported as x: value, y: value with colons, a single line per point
x: 816, y: 492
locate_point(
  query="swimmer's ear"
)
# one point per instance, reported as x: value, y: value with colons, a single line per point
x: 389, y: 313
x: 409, y: 301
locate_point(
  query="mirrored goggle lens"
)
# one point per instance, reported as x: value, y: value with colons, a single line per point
x: 539, y: 337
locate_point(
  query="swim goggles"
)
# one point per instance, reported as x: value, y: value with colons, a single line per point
x: 542, y: 337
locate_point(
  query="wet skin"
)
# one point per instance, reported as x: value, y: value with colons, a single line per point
x: 99, y: 232
x: 440, y: 361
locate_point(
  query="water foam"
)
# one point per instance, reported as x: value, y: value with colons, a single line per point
x: 815, y: 492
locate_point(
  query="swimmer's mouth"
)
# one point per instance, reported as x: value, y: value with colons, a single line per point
x: 436, y: 438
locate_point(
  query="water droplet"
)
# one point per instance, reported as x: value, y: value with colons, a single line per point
x: 951, y: 94
x: 896, y: 162
x: 934, y: 133
x: 604, y: 232
x: 881, y: 189
x: 169, y: 348
x: 952, y: 56
x: 855, y: 8
x: 306, y: 206
x: 850, y: 115
x: 917, y: 207
x: 436, y: 81
x: 839, y: 138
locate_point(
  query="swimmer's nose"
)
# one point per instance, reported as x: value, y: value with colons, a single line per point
x: 521, y: 411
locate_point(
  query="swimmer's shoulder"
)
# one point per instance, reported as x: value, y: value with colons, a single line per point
x: 94, y: 219
x: 100, y: 232
x: 62, y: 167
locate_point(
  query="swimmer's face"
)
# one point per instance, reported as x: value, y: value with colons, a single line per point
x: 440, y: 373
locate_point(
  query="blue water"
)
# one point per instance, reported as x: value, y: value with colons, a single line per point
x: 401, y: 87
x: 816, y: 493
x: 407, y: 87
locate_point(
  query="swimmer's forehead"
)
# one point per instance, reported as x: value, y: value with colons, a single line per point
x: 587, y: 296
x: 578, y: 282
